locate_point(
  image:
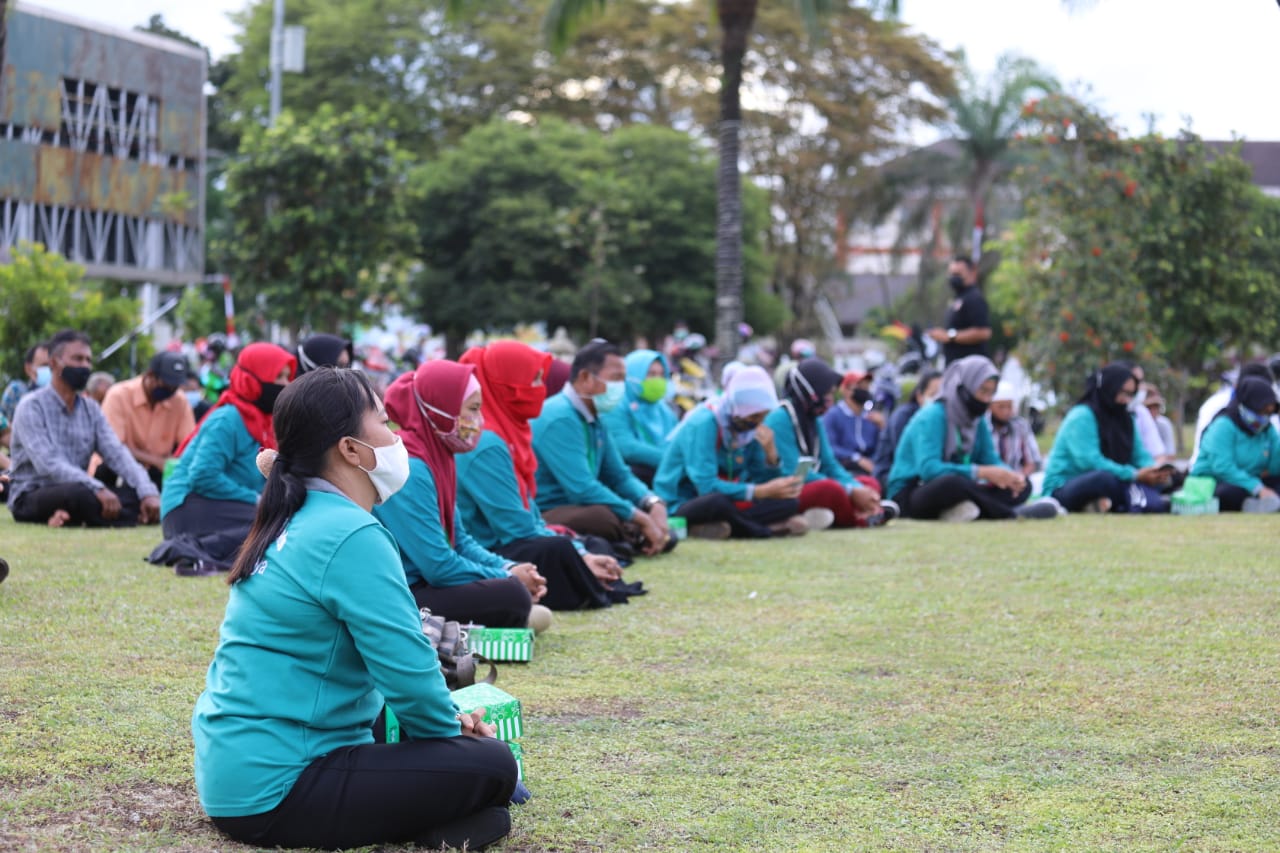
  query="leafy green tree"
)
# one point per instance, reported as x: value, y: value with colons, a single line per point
x: 566, y: 225
x: 43, y: 292
x: 318, y: 217
x: 736, y: 19
x: 1150, y: 250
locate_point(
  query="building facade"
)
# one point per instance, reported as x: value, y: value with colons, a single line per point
x: 102, y: 147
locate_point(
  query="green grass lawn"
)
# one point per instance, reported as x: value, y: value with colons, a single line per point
x: 1092, y: 683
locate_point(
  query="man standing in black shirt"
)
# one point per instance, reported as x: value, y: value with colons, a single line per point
x: 968, y: 319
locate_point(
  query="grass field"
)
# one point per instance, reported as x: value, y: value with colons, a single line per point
x: 1092, y: 683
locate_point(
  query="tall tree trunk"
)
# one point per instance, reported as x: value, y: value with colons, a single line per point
x: 736, y: 19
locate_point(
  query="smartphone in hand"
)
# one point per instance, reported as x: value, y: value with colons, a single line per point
x: 804, y: 466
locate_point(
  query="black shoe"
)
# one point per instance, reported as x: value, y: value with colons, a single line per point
x: 890, y: 510
x: 4, y: 569
x: 475, y: 832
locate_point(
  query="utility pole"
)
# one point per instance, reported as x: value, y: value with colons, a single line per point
x: 277, y: 58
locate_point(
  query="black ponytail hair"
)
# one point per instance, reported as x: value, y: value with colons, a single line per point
x: 312, y: 414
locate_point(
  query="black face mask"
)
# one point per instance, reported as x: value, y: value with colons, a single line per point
x: 957, y: 283
x: 76, y: 377
x: 160, y: 393
x: 741, y: 425
x: 266, y: 401
x: 975, y: 407
x: 861, y: 396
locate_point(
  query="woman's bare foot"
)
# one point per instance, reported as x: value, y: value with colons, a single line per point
x: 59, y: 518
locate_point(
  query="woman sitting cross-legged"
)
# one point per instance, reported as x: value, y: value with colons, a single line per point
x: 641, y: 425
x: 720, y: 472
x: 497, y: 486
x: 946, y: 466
x: 1098, y: 463
x: 211, y: 495
x: 798, y: 430
x: 437, y: 408
x: 1240, y: 449
x: 320, y: 631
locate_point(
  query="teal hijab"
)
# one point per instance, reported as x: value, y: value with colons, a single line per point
x: 651, y: 421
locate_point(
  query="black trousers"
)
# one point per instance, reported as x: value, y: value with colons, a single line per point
x: 107, y: 475
x: 384, y: 793
x: 494, y: 602
x: 1231, y: 498
x: 644, y: 473
x: 570, y: 584
x: 219, y: 527
x: 750, y: 522
x: 929, y: 500
x: 79, y: 501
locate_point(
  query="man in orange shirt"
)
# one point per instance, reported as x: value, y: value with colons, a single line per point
x: 148, y: 414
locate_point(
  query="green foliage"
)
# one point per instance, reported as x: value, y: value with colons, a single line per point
x: 565, y: 224
x: 1149, y: 250
x: 43, y: 292
x: 318, y: 216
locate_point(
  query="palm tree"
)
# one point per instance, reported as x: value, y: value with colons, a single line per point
x: 736, y: 18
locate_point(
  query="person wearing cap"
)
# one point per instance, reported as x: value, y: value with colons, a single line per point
x: 149, y: 415
x: 851, y: 429
x: 1167, y: 447
x: 1015, y: 442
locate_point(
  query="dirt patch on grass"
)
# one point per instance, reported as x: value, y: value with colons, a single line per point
x: 593, y: 709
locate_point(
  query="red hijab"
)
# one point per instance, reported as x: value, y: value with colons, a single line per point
x: 506, y: 371
x: 257, y: 365
x: 443, y: 385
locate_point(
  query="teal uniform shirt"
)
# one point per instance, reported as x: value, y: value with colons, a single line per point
x: 413, y: 517
x: 1234, y: 457
x: 489, y: 496
x: 1077, y: 450
x: 788, y: 446
x: 219, y: 464
x: 639, y: 429
x: 578, y: 464
x: 311, y: 645
x: 921, y: 450
x: 697, y: 462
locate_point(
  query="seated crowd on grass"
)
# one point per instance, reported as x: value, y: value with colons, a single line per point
x: 501, y: 487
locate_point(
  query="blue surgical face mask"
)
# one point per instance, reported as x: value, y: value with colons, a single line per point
x: 1254, y: 421
x: 613, y: 395
x: 194, y: 397
x: 44, y: 375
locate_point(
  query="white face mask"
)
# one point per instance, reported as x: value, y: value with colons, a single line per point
x: 390, y: 469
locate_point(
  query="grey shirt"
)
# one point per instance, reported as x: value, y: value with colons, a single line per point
x: 51, y: 446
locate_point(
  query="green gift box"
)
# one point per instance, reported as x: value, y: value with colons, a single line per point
x: 501, y: 644
x: 502, y: 709
x: 519, y: 756
x: 1195, y: 497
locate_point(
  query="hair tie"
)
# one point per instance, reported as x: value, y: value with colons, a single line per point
x: 266, y: 460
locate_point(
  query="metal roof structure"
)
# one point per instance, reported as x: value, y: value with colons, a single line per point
x: 102, y: 146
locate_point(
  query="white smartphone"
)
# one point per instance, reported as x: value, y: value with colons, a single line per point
x: 804, y: 466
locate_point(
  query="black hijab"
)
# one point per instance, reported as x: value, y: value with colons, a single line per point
x: 1254, y: 394
x: 1115, y: 423
x: 322, y: 350
x: 806, y: 388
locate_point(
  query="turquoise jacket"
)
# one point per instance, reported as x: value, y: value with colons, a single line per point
x: 1077, y: 450
x: 920, y: 455
x: 311, y: 645
x: 640, y: 429
x: 1234, y: 457
x: 697, y: 462
x: 788, y: 446
x: 489, y: 496
x: 220, y: 464
x: 578, y: 464
x: 413, y: 517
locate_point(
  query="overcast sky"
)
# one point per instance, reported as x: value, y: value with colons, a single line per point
x: 1214, y: 62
